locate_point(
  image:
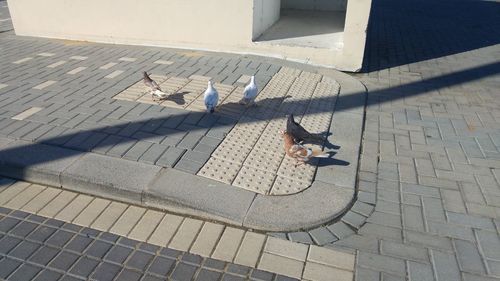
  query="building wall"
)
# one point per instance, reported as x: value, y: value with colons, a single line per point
x: 265, y: 14
x: 200, y: 21
x: 318, y: 5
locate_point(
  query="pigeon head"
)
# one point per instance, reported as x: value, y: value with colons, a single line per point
x: 252, y: 80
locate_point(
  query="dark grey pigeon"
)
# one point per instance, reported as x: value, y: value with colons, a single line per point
x: 150, y: 83
x: 300, y: 134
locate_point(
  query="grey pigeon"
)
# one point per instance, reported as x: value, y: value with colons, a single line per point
x: 211, y: 97
x: 300, y: 134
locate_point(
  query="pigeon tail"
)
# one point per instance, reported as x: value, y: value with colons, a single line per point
x: 212, y: 110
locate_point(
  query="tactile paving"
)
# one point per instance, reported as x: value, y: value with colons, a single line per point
x: 287, y: 186
x: 233, y: 152
x: 251, y: 156
x: 254, y: 179
x: 220, y: 170
x: 264, y: 158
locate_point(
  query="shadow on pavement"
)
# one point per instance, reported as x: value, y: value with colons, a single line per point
x: 403, y: 32
x: 344, y: 102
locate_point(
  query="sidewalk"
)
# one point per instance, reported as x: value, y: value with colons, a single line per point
x: 428, y: 193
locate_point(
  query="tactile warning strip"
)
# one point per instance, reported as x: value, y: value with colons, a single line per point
x: 251, y: 155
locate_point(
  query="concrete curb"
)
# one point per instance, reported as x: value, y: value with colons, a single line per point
x: 330, y: 195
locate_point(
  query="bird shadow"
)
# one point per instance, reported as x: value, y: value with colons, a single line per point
x: 177, y: 97
x: 330, y: 161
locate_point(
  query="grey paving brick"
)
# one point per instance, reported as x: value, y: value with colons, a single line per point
x: 118, y: 254
x: 322, y: 236
x: 340, y: 229
x: 41, y: 234
x: 139, y: 260
x: 24, y: 250
x: 386, y: 219
x: 136, y: 151
x: 360, y: 242
x: 196, y: 156
x: 23, y: 229
x: 44, y: 255
x: 25, y: 272
x: 121, y: 147
x: 7, y: 267
x: 188, y: 166
x: 183, y: 271
x: 190, y: 140
x: 106, y: 271
x: 129, y: 275
x: 406, y: 252
x: 354, y: 219
x: 300, y: 237
x: 382, y: 232
x: 161, y: 266
x: 382, y: 263
x: 98, y: 249
x: 153, y: 153
x: 365, y: 274
x: 19, y: 133
x: 445, y: 266
x: 472, y: 221
x: 92, y: 141
x: 78, y: 243
x: 363, y: 208
x: 420, y: 190
x: 420, y: 272
x: 107, y: 144
x: 84, y: 267
x: 433, y: 209
x: 412, y: 218
x: 48, y: 275
x: 206, y: 274
x: 64, y: 261
x: 468, y: 257
x: 140, y: 135
x: 490, y: 243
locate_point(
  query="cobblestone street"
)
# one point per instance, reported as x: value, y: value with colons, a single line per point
x: 427, y: 198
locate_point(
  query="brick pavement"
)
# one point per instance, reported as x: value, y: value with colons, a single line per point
x: 38, y: 226
x: 430, y: 161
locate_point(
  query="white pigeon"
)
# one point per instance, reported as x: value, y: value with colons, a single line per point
x: 249, y: 93
x: 210, y: 97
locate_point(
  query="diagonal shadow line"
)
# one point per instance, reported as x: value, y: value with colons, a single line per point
x: 344, y: 102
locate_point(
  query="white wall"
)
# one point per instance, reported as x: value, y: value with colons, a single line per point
x: 318, y: 5
x: 181, y: 21
x: 216, y: 25
x: 265, y: 14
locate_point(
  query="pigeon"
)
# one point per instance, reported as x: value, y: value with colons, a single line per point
x: 150, y: 82
x: 300, y: 134
x: 155, y: 89
x: 301, y: 153
x: 210, y: 97
x: 249, y: 93
x: 158, y: 94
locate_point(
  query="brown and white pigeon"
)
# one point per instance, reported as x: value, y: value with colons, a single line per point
x: 300, y: 134
x: 301, y: 153
x: 155, y: 89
